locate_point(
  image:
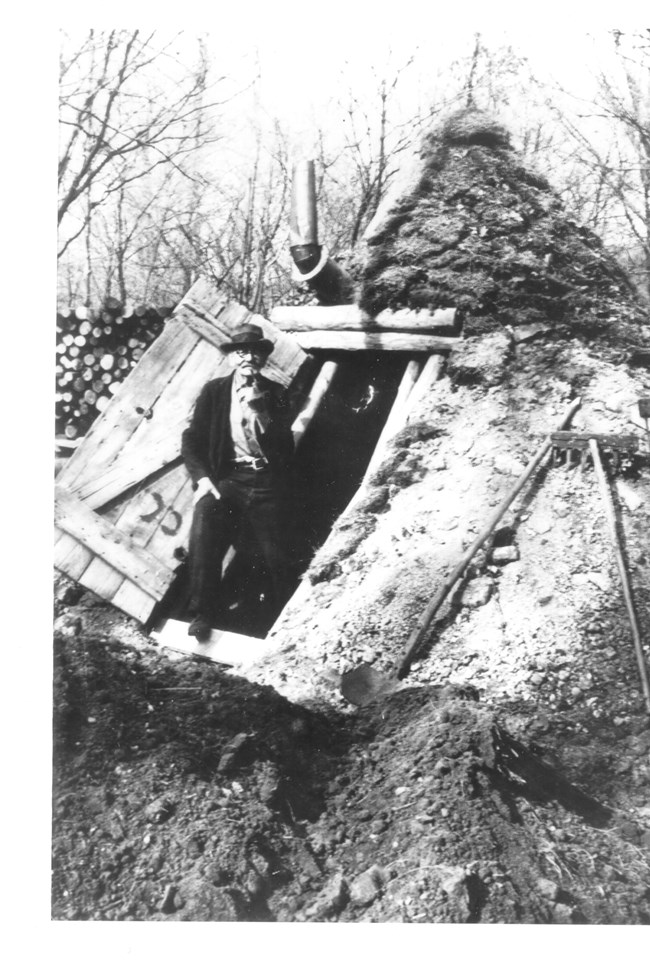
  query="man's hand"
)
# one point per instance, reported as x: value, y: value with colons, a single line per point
x: 203, y: 487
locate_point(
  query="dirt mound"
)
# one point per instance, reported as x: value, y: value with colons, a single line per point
x: 472, y: 227
x: 185, y: 793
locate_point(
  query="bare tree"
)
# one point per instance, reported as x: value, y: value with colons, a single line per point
x: 127, y: 108
x: 608, y: 153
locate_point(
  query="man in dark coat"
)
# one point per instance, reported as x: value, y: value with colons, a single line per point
x: 237, y: 450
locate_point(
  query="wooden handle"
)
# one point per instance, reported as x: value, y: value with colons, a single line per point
x: 424, y: 621
x: 622, y: 568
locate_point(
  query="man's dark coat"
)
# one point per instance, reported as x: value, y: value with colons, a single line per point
x: 207, y: 447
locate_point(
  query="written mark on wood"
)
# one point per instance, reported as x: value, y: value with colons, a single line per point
x: 160, y: 506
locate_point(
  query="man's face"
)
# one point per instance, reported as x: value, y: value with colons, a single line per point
x: 249, y: 361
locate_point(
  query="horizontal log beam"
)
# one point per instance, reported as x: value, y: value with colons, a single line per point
x: 372, y: 341
x: 350, y: 317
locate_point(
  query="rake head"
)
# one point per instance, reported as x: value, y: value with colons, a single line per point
x: 618, y: 449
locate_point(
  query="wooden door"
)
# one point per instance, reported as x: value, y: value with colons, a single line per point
x: 123, y: 501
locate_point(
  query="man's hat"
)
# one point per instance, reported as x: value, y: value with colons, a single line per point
x: 248, y: 336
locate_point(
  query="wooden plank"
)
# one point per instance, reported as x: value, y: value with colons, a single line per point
x: 314, y: 398
x: 173, y: 531
x: 102, y: 579
x: 126, y: 472
x: 134, y: 601
x: 104, y: 540
x: 156, y: 442
x: 373, y: 341
x: 70, y: 556
x: 228, y: 648
x: 174, y: 405
x: 350, y: 317
x: 431, y: 372
x: 287, y: 357
x: 396, y: 416
x: 152, y: 520
x: 156, y: 514
x: 130, y: 406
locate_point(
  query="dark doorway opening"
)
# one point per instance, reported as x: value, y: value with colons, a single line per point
x: 329, y: 467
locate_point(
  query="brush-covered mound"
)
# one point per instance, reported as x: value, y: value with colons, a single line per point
x: 470, y: 226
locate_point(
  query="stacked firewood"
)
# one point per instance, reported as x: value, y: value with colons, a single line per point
x: 95, y: 352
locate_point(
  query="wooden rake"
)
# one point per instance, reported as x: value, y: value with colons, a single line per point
x: 590, y: 444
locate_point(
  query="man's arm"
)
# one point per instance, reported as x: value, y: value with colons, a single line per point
x: 195, y: 439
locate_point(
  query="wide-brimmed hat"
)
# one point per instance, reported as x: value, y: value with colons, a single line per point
x: 247, y: 336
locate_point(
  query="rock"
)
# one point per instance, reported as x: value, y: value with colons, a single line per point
x: 203, y: 902
x: 504, y: 554
x: 254, y: 884
x: 367, y: 887
x: 234, y: 752
x: 331, y: 900
x: 378, y: 826
x: 160, y: 810
x: 68, y: 626
x: 630, y: 497
x: 477, y: 593
x: 167, y: 903
x: 548, y: 889
x: 600, y: 581
x: 562, y: 913
x: 68, y: 593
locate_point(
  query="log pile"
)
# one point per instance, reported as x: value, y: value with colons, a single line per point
x: 95, y: 350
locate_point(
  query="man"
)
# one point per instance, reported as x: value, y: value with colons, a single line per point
x: 237, y: 450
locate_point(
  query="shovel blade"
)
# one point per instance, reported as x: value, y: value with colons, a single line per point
x: 363, y: 685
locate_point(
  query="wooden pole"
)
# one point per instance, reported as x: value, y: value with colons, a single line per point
x: 392, y: 425
x: 314, y: 399
x: 423, y: 623
x: 373, y: 341
x: 431, y: 372
x: 350, y: 317
x: 622, y: 568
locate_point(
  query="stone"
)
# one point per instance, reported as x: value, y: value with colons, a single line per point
x: 68, y: 626
x: 167, y: 903
x: 68, y: 594
x: 202, y: 901
x: 548, y: 888
x: 378, y: 826
x: 562, y: 913
x: 504, y: 554
x: 629, y: 497
x: 477, y: 593
x: 366, y: 887
x: 234, y: 751
x: 331, y: 900
x: 160, y: 810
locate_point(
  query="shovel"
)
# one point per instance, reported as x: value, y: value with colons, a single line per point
x: 364, y: 684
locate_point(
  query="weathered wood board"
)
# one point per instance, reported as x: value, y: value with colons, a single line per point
x: 227, y: 648
x: 124, y: 499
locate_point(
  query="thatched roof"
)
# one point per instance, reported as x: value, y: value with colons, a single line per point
x: 475, y: 228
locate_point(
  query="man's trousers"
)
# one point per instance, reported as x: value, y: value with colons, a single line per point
x: 250, y: 509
